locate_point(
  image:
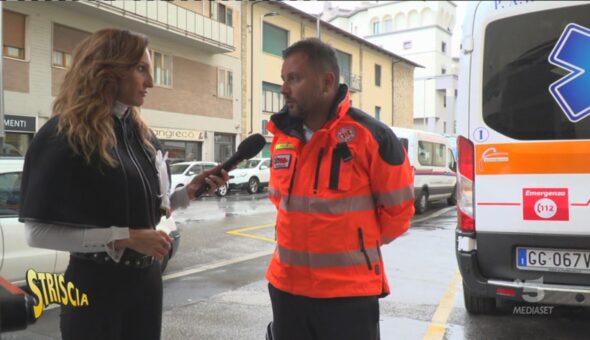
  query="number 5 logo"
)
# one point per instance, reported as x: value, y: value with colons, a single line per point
x: 531, y: 292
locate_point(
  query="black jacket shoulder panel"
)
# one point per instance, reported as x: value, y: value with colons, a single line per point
x: 390, y: 148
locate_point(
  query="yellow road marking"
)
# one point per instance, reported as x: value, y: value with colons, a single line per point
x: 241, y: 232
x: 438, y: 324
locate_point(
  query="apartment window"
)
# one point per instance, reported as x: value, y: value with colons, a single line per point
x: 13, y: 34
x: 378, y: 112
x: 375, y: 27
x: 264, y: 124
x: 388, y: 25
x: 344, y: 63
x: 276, y: 39
x: 225, y: 83
x: 229, y: 17
x: 65, y: 39
x: 443, y: 47
x: 445, y: 127
x: 443, y: 71
x: 272, y: 98
x: 223, y: 14
x: 377, y: 75
x: 444, y: 100
x: 407, y: 45
x: 162, y: 69
x: 62, y: 59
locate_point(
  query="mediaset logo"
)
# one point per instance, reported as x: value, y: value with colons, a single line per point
x: 533, y: 310
x: 52, y: 288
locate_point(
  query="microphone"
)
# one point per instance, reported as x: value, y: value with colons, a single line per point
x: 247, y: 149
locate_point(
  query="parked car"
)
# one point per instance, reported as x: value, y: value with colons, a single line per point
x: 252, y: 175
x: 17, y: 256
x: 184, y: 172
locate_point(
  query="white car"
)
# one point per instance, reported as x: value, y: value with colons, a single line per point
x: 16, y: 256
x: 252, y: 175
x: 184, y: 172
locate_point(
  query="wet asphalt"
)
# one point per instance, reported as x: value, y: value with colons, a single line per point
x: 214, y: 287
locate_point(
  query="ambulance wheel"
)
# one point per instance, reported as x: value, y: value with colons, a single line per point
x: 478, y: 304
x: 421, y: 203
x: 453, y: 199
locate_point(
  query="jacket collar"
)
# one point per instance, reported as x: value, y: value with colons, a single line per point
x: 283, y: 122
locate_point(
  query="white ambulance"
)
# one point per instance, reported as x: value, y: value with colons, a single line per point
x: 434, y: 166
x: 524, y: 153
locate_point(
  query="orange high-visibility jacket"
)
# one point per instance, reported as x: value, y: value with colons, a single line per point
x: 339, y: 196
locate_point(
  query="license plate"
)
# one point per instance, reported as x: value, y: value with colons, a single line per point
x: 553, y: 260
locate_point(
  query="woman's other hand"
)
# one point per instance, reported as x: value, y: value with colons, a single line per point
x: 149, y: 242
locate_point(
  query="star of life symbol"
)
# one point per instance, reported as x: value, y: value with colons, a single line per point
x: 572, y: 53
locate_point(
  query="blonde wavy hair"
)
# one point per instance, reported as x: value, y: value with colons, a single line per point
x: 89, y: 90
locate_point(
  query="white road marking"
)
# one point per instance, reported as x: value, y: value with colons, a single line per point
x: 217, y: 265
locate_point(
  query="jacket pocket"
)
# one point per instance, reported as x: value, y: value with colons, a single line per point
x: 282, y: 169
x: 363, y: 249
x: 341, y: 168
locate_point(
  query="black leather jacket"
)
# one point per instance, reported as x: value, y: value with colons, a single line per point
x: 59, y: 187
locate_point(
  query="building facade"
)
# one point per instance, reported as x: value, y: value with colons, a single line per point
x: 419, y: 31
x: 380, y: 82
x: 195, y: 104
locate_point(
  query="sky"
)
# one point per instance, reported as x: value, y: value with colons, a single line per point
x: 315, y: 7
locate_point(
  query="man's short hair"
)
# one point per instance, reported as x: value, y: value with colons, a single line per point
x: 322, y: 56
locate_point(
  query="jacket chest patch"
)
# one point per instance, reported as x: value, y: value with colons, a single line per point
x: 281, y: 161
x: 346, y: 134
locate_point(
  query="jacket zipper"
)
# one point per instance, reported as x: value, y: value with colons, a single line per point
x: 127, y: 204
x: 292, y: 181
x: 363, y: 249
x: 317, y: 171
x: 144, y: 183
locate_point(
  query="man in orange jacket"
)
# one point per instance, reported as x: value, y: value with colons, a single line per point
x: 343, y: 186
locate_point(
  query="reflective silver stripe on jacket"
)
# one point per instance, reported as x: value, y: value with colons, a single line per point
x: 394, y: 197
x: 328, y: 206
x: 323, y: 260
x: 344, y: 205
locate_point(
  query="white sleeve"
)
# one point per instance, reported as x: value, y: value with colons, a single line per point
x: 179, y: 199
x: 87, y: 240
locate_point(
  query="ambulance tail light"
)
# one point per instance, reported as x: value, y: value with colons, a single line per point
x: 465, y: 184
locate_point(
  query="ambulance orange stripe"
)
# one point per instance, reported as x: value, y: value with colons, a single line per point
x: 563, y: 157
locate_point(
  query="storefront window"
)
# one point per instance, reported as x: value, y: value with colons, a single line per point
x: 179, y: 151
x: 16, y: 144
x: 224, y: 146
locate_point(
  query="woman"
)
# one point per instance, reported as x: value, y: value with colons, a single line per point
x: 95, y: 184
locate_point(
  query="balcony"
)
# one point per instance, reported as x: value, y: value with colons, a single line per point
x: 354, y: 81
x: 163, y: 19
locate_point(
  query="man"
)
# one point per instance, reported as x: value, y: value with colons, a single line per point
x: 343, y: 186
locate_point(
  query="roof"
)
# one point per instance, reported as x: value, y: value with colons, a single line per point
x: 284, y: 5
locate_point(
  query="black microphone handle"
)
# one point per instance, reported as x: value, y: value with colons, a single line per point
x: 227, y: 166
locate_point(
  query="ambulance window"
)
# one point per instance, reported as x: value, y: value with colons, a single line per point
x: 424, y: 153
x: 439, y: 155
x: 516, y: 76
